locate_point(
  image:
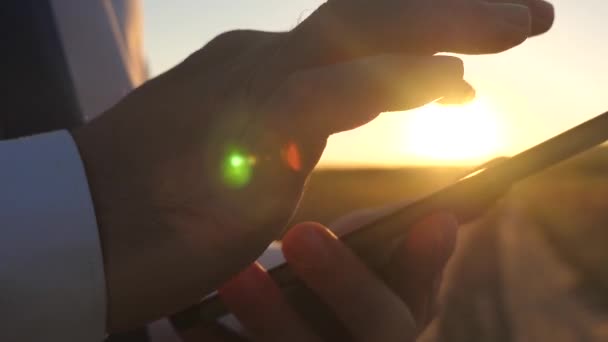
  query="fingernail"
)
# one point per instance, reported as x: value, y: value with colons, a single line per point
x: 316, y: 240
x: 461, y: 95
x: 544, y: 16
x: 470, y: 94
x: 544, y: 9
x: 514, y: 14
x: 309, y: 245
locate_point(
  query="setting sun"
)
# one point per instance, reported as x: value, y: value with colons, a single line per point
x: 456, y: 134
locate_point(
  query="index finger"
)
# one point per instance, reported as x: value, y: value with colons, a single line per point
x: 346, y: 29
x: 366, y: 307
x: 543, y: 14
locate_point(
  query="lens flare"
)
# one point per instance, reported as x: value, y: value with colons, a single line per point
x: 237, y: 161
x: 237, y: 168
x: 292, y: 157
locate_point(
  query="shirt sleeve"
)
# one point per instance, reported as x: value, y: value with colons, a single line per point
x: 52, y: 285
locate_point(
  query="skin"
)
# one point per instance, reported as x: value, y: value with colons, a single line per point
x: 154, y: 161
x: 395, y: 307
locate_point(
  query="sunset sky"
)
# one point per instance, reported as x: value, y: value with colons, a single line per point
x: 526, y: 95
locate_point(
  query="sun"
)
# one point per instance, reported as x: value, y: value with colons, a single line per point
x: 454, y: 134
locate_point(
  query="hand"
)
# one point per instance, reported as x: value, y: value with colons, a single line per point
x: 195, y: 172
x: 367, y: 308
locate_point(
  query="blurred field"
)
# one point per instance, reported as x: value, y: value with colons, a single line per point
x: 534, y: 269
x: 334, y: 192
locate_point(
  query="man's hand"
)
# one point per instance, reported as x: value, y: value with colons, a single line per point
x: 367, y: 308
x: 195, y: 172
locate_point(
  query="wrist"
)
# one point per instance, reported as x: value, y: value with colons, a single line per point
x: 109, y: 197
x: 92, y: 150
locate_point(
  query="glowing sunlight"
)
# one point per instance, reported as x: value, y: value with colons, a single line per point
x: 455, y: 134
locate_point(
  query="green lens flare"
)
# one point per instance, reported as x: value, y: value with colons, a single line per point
x: 237, y: 161
x: 237, y: 169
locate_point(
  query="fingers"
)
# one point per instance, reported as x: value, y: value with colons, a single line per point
x: 542, y: 13
x: 478, y: 27
x: 416, y: 267
x: 344, y: 29
x: 454, y: 99
x: 260, y: 306
x: 331, y: 99
x: 289, y: 136
x: 368, y: 309
x: 362, y: 302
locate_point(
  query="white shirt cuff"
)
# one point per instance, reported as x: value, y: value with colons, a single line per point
x: 52, y: 284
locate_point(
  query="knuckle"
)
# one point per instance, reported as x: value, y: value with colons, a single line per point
x: 245, y: 38
x: 233, y: 36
